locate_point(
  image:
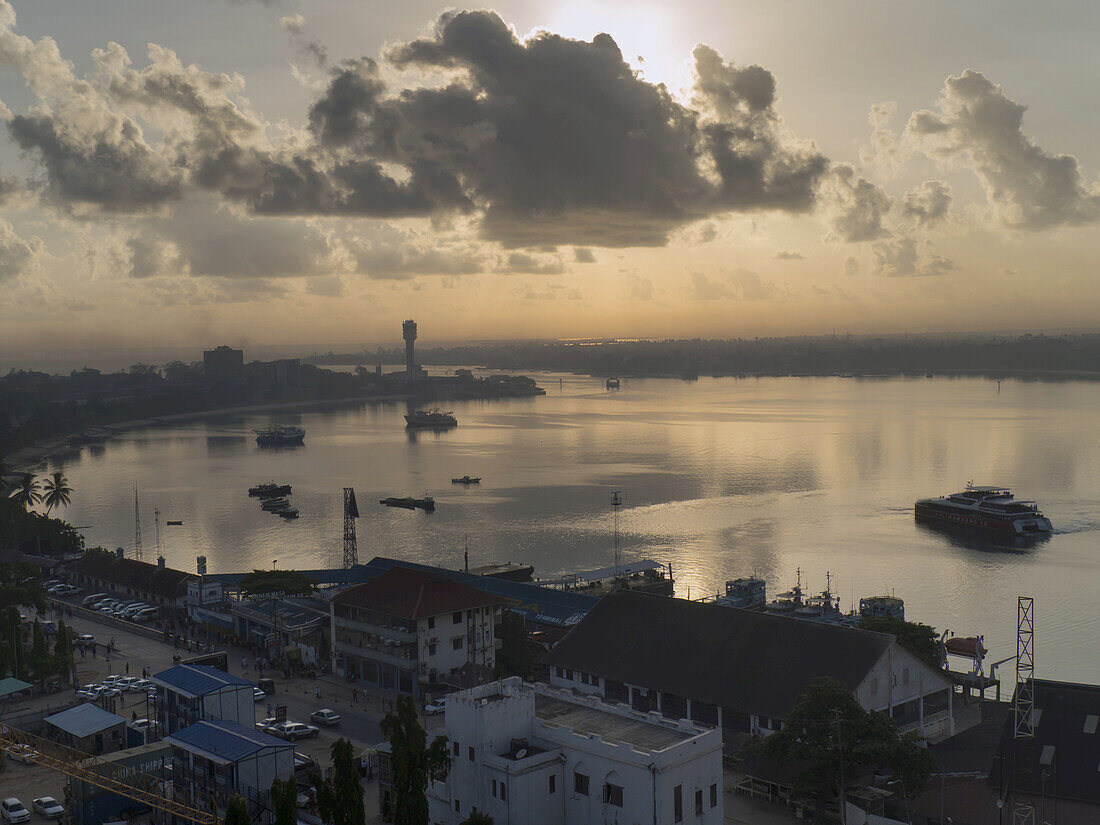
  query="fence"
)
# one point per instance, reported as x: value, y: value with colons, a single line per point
x: 112, y: 621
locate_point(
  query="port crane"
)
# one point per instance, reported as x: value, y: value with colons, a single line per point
x: 108, y: 776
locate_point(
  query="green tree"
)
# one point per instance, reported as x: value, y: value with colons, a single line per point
x: 517, y: 655
x: 833, y: 738
x: 27, y: 494
x: 414, y: 763
x: 477, y: 817
x: 919, y: 639
x: 236, y: 811
x: 340, y: 800
x: 57, y: 492
x: 41, y: 662
x: 63, y: 652
x: 284, y: 799
x: 288, y: 582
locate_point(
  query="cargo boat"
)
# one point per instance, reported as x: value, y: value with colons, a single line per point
x: 426, y: 503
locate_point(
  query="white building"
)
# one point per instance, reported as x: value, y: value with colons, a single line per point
x: 190, y: 693
x: 409, y: 628
x: 533, y: 755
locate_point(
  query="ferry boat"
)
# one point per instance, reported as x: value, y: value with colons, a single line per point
x: 269, y: 490
x: 279, y: 436
x: 430, y: 418
x: 986, y: 508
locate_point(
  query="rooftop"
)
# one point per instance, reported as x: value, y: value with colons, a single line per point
x: 739, y: 659
x: 197, y: 680
x: 414, y: 594
x: 84, y: 720
x: 224, y: 742
x: 605, y: 723
x: 150, y: 578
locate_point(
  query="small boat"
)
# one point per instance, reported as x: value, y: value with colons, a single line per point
x: 466, y: 480
x: 288, y: 513
x: 430, y: 418
x: 174, y: 523
x: 275, y: 504
x: 426, y: 503
x: 612, y: 383
x: 269, y: 490
x: 279, y: 436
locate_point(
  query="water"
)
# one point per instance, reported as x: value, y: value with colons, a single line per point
x: 720, y: 477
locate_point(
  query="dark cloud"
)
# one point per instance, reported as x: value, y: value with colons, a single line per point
x: 975, y: 124
x: 928, y: 203
x: 397, y: 259
x: 856, y: 206
x: 583, y: 255
x: 787, y: 255
x: 524, y: 263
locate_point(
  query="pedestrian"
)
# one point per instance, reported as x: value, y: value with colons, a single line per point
x: 127, y: 668
x: 93, y: 650
x: 317, y: 692
x: 133, y: 716
x: 244, y: 663
x: 270, y: 712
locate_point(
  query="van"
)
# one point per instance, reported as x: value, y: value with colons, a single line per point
x: 266, y: 685
x: 88, y: 601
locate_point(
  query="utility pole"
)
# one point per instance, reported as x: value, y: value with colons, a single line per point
x: 137, y: 528
x: 351, y: 513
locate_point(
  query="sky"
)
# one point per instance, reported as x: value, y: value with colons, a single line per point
x: 311, y: 173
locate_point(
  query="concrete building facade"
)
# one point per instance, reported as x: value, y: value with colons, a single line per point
x: 534, y: 755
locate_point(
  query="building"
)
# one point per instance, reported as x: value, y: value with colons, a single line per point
x: 88, y: 728
x: 740, y: 670
x: 295, y: 629
x: 408, y: 332
x: 223, y: 367
x: 412, y: 627
x: 191, y: 693
x: 92, y: 804
x: 154, y: 584
x: 533, y: 755
x: 217, y: 758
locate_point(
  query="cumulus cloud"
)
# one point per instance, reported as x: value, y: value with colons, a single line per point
x: 976, y: 125
x: 641, y: 289
x: 582, y: 255
x: 906, y: 257
x: 17, y: 254
x: 885, y: 152
x: 856, y: 206
x: 927, y: 205
x: 305, y: 44
x: 397, y: 258
x: 524, y: 263
x: 741, y: 284
x: 789, y: 255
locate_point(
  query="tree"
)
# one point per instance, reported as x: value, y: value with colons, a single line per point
x: 919, y: 639
x: 284, y: 799
x: 286, y: 582
x: 477, y: 817
x: 340, y: 800
x: 516, y: 656
x: 236, y: 811
x: 63, y: 652
x: 57, y: 491
x: 414, y: 763
x: 832, y: 737
x: 41, y: 662
x: 26, y: 495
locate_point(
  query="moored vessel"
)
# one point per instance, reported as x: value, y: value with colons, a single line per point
x: 430, y: 418
x: 466, y: 480
x: 269, y: 489
x: 985, y: 508
x: 279, y: 435
x: 426, y: 503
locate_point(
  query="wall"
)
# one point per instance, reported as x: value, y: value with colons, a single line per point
x: 233, y: 703
x: 886, y: 687
x: 476, y: 629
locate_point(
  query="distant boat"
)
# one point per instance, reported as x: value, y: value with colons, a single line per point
x: 430, y: 418
x: 174, y: 523
x: 279, y: 436
x: 612, y: 383
x: 288, y: 513
x: 269, y: 490
x: 275, y: 504
x: 466, y: 480
x: 426, y: 503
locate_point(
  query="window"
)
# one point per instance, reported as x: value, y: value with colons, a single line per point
x: 1046, y: 758
x: 431, y: 649
x: 1090, y: 722
x: 613, y: 795
x: 553, y: 783
x: 699, y: 802
x: 494, y: 788
x: 456, y: 748
x: 431, y: 623
x: 569, y: 674
x: 470, y: 751
x: 580, y: 784
x: 559, y: 672
x: 457, y: 641
x: 714, y: 796
x: 458, y: 806
x: 457, y: 618
x: 678, y: 803
x: 503, y: 791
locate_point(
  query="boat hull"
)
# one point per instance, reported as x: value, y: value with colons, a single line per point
x: 934, y: 512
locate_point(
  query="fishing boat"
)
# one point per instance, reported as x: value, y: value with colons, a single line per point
x: 288, y: 513
x: 275, y: 504
x: 269, y: 490
x: 466, y: 480
x: 174, y: 523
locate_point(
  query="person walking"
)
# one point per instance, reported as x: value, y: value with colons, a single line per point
x: 127, y: 668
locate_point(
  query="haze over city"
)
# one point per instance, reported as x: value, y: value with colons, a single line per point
x: 263, y: 173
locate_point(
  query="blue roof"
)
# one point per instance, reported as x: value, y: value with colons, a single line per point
x: 197, y: 680
x: 84, y: 720
x: 224, y: 741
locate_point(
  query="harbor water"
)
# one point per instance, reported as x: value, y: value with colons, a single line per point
x: 720, y: 477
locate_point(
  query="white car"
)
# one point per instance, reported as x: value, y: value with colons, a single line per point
x: 258, y: 695
x: 325, y: 716
x: 13, y: 810
x: 293, y: 731
x: 126, y: 683
x: 22, y: 753
x: 85, y: 639
x: 113, y: 679
x: 48, y: 807
x: 434, y: 708
x: 90, y: 692
x: 267, y: 724
x: 92, y: 598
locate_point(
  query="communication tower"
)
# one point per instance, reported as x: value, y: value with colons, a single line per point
x: 351, y: 513
x: 137, y: 527
x: 1023, y: 812
x: 616, y: 503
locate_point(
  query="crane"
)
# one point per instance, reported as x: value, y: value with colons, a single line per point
x: 127, y: 782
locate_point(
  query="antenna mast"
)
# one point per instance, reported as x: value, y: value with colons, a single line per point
x: 156, y: 521
x: 1023, y: 811
x: 616, y: 503
x: 137, y: 527
x: 351, y: 513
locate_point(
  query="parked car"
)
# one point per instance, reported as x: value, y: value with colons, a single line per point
x: 145, y: 724
x: 267, y: 724
x: 90, y: 693
x: 112, y: 679
x: 13, y: 811
x: 126, y: 683
x: 304, y: 795
x: 85, y: 639
x: 325, y: 716
x: 303, y: 761
x: 48, y: 807
x: 46, y: 585
x: 22, y: 753
x: 258, y: 695
x: 293, y: 731
x: 137, y: 685
x: 434, y: 707
x: 91, y: 599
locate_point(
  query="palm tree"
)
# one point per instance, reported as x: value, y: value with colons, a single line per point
x: 57, y: 491
x: 26, y: 494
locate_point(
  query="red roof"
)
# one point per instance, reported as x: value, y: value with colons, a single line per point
x: 414, y: 594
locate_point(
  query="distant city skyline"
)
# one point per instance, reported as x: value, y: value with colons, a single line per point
x: 295, y: 174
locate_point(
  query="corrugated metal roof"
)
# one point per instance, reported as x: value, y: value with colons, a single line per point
x: 224, y: 741
x: 12, y: 685
x: 84, y: 720
x: 197, y: 680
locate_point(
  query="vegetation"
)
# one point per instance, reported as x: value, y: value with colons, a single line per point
x: 27, y: 492
x: 56, y: 492
x: 414, y: 763
x: 34, y: 533
x: 20, y: 586
x: 340, y: 800
x: 284, y: 799
x: 285, y: 582
x: 477, y: 817
x: 919, y: 639
x: 236, y: 811
x: 516, y: 656
x: 833, y: 739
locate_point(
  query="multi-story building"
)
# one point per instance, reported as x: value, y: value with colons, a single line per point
x: 191, y: 693
x: 409, y: 628
x: 216, y: 759
x: 740, y: 670
x: 223, y: 366
x: 534, y: 755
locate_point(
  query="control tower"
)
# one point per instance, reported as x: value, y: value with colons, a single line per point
x: 408, y: 332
